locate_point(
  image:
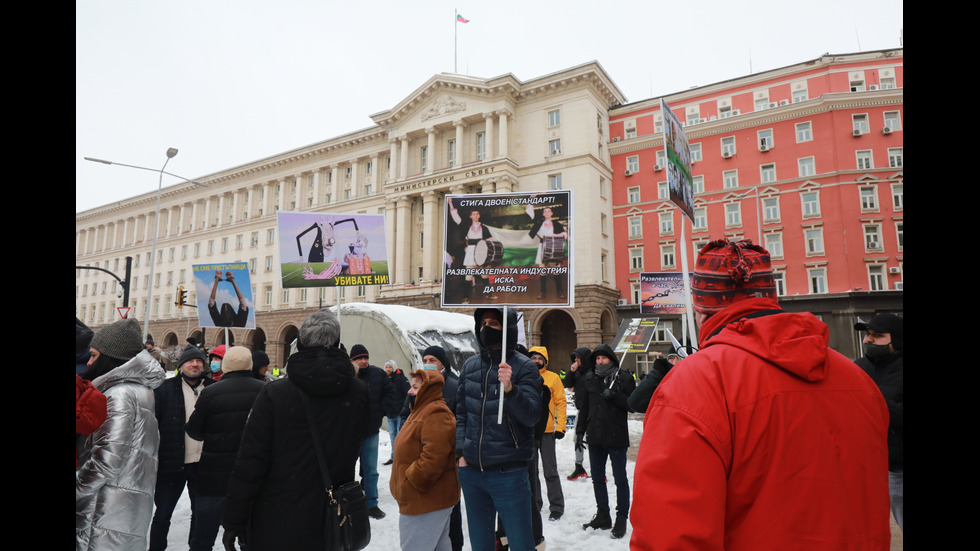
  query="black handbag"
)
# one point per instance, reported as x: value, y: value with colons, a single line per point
x: 346, y: 526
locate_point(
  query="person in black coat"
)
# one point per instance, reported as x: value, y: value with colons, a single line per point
x: 276, y: 498
x: 178, y: 456
x: 218, y: 420
x: 394, y: 413
x: 382, y: 398
x: 639, y: 400
x: 607, y: 389
x: 574, y: 378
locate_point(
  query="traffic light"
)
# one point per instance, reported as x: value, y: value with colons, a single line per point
x: 181, y: 296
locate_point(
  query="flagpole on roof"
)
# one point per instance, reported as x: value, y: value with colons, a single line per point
x: 455, y: 25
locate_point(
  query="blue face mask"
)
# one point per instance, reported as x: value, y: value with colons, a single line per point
x: 215, y: 366
x: 428, y: 367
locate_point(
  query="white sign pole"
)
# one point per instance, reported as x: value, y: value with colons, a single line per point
x: 503, y: 358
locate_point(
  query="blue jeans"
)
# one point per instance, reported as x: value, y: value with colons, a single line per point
x: 504, y: 492
x: 394, y: 425
x: 169, y: 488
x: 896, y: 491
x: 369, y: 469
x: 207, y: 513
x: 597, y: 462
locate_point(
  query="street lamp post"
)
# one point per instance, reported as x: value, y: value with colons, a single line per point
x: 171, y: 153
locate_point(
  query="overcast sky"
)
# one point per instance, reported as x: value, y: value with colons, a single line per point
x: 228, y: 82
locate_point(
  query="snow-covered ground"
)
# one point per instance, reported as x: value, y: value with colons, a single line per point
x: 562, y: 535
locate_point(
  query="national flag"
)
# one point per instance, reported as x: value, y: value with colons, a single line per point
x: 461, y: 19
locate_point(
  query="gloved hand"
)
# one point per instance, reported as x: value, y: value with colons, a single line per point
x: 559, y: 434
x: 608, y: 394
x: 228, y: 539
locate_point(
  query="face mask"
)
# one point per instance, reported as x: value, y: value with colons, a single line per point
x: 491, y: 336
x: 428, y: 367
x: 215, y: 366
x: 876, y: 351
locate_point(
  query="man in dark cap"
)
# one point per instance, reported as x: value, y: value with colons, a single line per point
x: 382, y: 397
x: 766, y: 438
x: 883, y: 361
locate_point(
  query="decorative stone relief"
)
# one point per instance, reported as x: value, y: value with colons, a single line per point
x: 443, y: 107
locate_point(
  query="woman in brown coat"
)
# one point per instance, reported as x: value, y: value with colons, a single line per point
x: 424, y: 481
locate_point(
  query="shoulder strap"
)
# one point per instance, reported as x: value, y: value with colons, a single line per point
x: 317, y: 446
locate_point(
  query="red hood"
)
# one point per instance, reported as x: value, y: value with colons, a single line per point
x: 796, y: 342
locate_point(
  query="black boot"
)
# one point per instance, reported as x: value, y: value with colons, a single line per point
x: 619, y: 530
x: 601, y: 521
x: 578, y: 473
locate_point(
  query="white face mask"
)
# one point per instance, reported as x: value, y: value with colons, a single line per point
x: 429, y: 366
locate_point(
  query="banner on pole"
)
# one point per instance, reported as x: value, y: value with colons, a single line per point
x: 224, y: 295
x: 332, y: 250
x: 508, y: 249
x: 662, y: 293
x: 678, y: 153
x: 634, y: 335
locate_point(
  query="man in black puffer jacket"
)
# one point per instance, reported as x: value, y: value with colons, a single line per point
x: 276, y: 498
x: 493, y: 457
x: 218, y: 420
x: 640, y: 399
x: 607, y: 389
x: 179, y: 455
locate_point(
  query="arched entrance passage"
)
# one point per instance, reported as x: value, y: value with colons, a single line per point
x: 555, y: 330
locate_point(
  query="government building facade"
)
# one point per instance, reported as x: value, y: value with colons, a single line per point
x: 570, y: 130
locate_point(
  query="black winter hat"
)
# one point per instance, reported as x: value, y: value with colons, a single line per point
x: 439, y: 354
x: 357, y: 351
x: 189, y: 353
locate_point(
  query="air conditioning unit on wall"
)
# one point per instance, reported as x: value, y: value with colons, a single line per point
x: 622, y: 302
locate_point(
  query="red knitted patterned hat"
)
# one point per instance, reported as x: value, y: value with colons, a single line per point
x: 727, y: 272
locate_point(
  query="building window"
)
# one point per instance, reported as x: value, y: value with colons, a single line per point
x: 886, y: 83
x: 811, y: 203
x: 554, y: 181
x: 814, y: 241
x: 900, y: 234
x: 630, y: 130
x: 857, y: 85
x: 666, y: 223
x: 362, y: 290
x: 804, y: 132
x: 698, y: 184
x: 700, y: 222
x: 602, y: 187
x: 869, y: 198
x: 660, y: 333
x: 636, y: 227
x: 268, y: 295
x: 807, y: 167
x: 554, y: 117
x: 667, y: 259
x: 876, y: 277
x: 898, y: 197
x: 662, y: 191
x: 765, y: 139
x: 284, y: 294
x: 859, y: 123
x: 270, y: 237
x: 604, y: 266
x: 695, y: 152
x: 762, y: 103
x: 799, y: 95
x: 893, y: 120
x: 554, y: 146
x: 452, y: 153
x: 369, y: 168
x: 633, y: 194
x: 368, y: 189
x: 770, y: 209
x: 211, y: 246
x: 635, y: 294
x: 780, y: 280
x: 872, y: 238
x: 481, y: 146
x: 633, y: 163
x: 895, y: 157
x: 728, y: 146
x: 348, y: 172
x: 636, y: 259
x: 424, y: 163
x: 818, y: 280
x: 768, y: 173
x: 733, y: 215
x: 268, y: 264
x: 603, y: 225
x: 730, y: 178
x: 865, y: 159
x: 774, y: 244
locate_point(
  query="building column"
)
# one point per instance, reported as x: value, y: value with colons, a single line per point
x: 505, y: 184
x: 487, y: 186
x: 317, y: 177
x: 403, y: 240
x: 376, y: 181
x: 430, y: 246
x: 430, y: 151
x: 503, y: 133
x: 460, y: 147
x: 332, y: 184
x: 393, y: 156
x: 281, y: 197
x: 488, y: 117
x: 403, y: 160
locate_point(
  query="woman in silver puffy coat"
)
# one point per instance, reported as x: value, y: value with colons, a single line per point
x: 117, y: 470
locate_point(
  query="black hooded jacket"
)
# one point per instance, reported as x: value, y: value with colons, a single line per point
x: 275, y: 491
x: 607, y: 416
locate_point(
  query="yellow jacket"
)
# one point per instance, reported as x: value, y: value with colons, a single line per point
x: 556, y: 408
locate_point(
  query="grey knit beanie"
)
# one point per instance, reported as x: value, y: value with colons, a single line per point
x: 120, y: 340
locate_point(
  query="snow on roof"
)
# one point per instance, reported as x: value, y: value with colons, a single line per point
x: 410, y: 319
